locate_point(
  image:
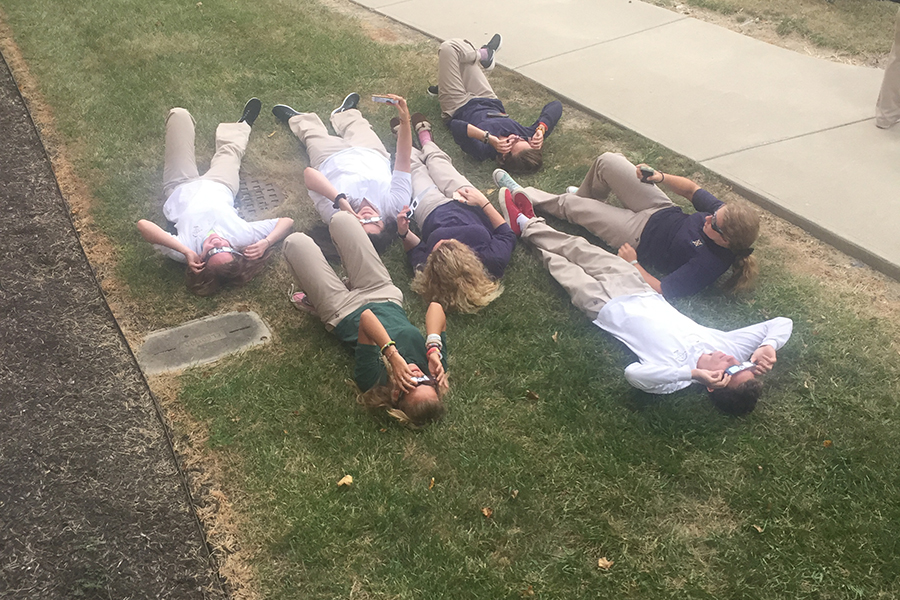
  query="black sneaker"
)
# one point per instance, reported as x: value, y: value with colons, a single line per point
x: 351, y: 101
x: 283, y: 112
x: 492, y: 47
x: 432, y: 91
x: 251, y: 111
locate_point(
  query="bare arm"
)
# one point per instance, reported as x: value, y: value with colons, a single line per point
x: 680, y: 185
x: 371, y: 331
x: 501, y: 145
x: 402, y: 161
x: 409, y: 239
x: 474, y: 197
x: 155, y: 234
x: 436, y: 323
x: 258, y: 249
x: 627, y: 252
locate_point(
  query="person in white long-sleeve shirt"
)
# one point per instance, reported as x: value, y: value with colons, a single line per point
x: 673, y: 351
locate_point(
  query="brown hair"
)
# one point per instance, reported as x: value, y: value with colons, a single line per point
x: 455, y: 278
x: 738, y: 400
x: 526, y: 161
x: 741, y: 228
x: 237, y: 271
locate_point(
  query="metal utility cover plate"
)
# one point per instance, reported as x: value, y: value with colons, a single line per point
x: 257, y: 199
x: 201, y: 341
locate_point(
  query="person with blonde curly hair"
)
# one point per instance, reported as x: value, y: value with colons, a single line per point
x: 464, y: 244
x: 218, y: 246
x: 692, y: 250
x: 396, y: 366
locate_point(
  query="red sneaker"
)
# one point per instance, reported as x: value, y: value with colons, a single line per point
x: 523, y: 203
x: 510, y: 210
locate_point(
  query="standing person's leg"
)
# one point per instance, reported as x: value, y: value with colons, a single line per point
x: 426, y: 194
x: 180, y: 164
x: 590, y: 275
x: 319, y: 144
x: 460, y: 76
x: 231, y: 143
x: 356, y: 131
x: 887, y: 109
x: 612, y: 224
x: 314, y: 275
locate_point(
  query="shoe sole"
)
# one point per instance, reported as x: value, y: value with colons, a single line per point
x: 342, y: 107
x: 503, y: 209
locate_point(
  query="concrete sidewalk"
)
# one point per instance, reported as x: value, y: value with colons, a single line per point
x: 794, y: 133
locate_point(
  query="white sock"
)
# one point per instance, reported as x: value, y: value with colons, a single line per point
x: 522, y: 221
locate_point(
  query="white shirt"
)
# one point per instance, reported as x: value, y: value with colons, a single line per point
x: 202, y: 206
x: 363, y: 173
x: 668, y: 344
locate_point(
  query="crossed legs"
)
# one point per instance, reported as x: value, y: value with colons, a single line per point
x: 611, y: 172
x: 460, y: 77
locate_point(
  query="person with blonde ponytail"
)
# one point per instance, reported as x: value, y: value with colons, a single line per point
x: 691, y: 250
x: 396, y: 367
x: 464, y: 244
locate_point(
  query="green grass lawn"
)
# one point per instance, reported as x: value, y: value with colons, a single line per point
x: 798, y: 500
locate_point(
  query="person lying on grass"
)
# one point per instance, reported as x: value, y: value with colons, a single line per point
x: 351, y: 171
x: 465, y: 244
x: 477, y: 118
x: 692, y: 250
x: 673, y: 351
x: 218, y: 246
x: 396, y: 367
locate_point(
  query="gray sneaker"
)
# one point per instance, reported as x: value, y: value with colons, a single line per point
x: 503, y: 179
x: 492, y: 47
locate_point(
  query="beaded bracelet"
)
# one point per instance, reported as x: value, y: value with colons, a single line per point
x: 388, y: 345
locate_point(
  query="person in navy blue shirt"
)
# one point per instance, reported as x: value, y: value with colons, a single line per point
x: 691, y: 250
x: 477, y: 118
x: 463, y: 245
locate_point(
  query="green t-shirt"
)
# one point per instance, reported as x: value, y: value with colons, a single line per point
x: 369, y: 370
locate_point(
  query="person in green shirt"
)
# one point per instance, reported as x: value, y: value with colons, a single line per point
x: 396, y: 366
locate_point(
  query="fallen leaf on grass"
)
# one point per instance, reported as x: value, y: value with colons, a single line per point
x: 274, y: 131
x: 827, y: 443
x: 604, y: 563
x: 531, y: 395
x: 514, y: 494
x: 346, y: 480
x: 487, y: 512
x: 758, y: 528
x: 431, y: 484
x: 555, y: 336
x: 527, y: 593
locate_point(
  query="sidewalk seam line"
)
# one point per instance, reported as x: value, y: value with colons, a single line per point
x: 594, y: 45
x: 786, y: 139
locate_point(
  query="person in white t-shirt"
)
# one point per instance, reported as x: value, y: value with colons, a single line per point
x: 217, y: 245
x: 351, y: 171
x: 673, y: 351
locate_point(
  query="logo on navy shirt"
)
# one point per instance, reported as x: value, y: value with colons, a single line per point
x: 697, y: 243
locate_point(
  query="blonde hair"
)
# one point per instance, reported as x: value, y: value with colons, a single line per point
x: 455, y: 278
x: 741, y: 228
x: 414, y: 415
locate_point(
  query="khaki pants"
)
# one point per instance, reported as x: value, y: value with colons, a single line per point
x: 591, y: 275
x: 887, y: 109
x: 434, y: 179
x: 616, y: 226
x: 460, y: 77
x: 369, y: 279
x: 353, y: 131
x: 181, y: 163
